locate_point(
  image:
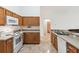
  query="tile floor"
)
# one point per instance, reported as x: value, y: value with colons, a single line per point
x: 44, y: 47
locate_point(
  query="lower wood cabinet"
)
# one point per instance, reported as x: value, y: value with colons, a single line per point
x: 31, y: 38
x: 71, y: 48
x: 6, y: 46
x: 54, y: 41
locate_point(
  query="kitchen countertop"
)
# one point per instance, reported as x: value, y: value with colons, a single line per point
x: 72, y: 38
x: 31, y: 29
x: 6, y: 37
x: 24, y: 29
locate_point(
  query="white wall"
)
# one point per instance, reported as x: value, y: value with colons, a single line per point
x: 30, y: 10
x: 61, y: 17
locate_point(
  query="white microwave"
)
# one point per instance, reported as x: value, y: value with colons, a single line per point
x: 11, y: 20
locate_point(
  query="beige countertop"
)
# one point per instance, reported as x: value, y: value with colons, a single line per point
x: 72, y: 39
x: 6, y: 37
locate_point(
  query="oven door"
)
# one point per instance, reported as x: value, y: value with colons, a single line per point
x: 17, y: 40
x: 18, y: 43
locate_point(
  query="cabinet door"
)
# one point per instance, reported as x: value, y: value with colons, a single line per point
x: 20, y: 21
x: 2, y: 14
x: 52, y: 39
x: 36, y: 37
x: 19, y: 18
x: 10, y: 45
x: 28, y: 37
x: 32, y: 38
x: 2, y: 20
x: 26, y: 21
x: 15, y: 15
x: 37, y: 21
x: 71, y: 48
x: 56, y: 42
x: 2, y: 46
x: 33, y: 21
x: 2, y: 11
x: 8, y: 13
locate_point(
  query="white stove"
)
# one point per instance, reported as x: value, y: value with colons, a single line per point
x: 18, y: 41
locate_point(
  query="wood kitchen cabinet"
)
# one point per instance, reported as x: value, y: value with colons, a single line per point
x: 20, y: 21
x: 8, y: 13
x: 2, y: 11
x: 31, y: 38
x: 54, y: 40
x: 19, y: 18
x: 2, y: 16
x: 32, y: 21
x: 2, y: 20
x: 71, y: 48
x: 6, y: 46
x: 15, y: 15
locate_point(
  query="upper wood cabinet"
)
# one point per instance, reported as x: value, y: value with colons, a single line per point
x: 8, y: 13
x: 32, y: 21
x: 2, y: 16
x: 19, y: 18
x: 15, y: 15
x: 20, y: 21
x: 2, y: 11
x: 2, y: 20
